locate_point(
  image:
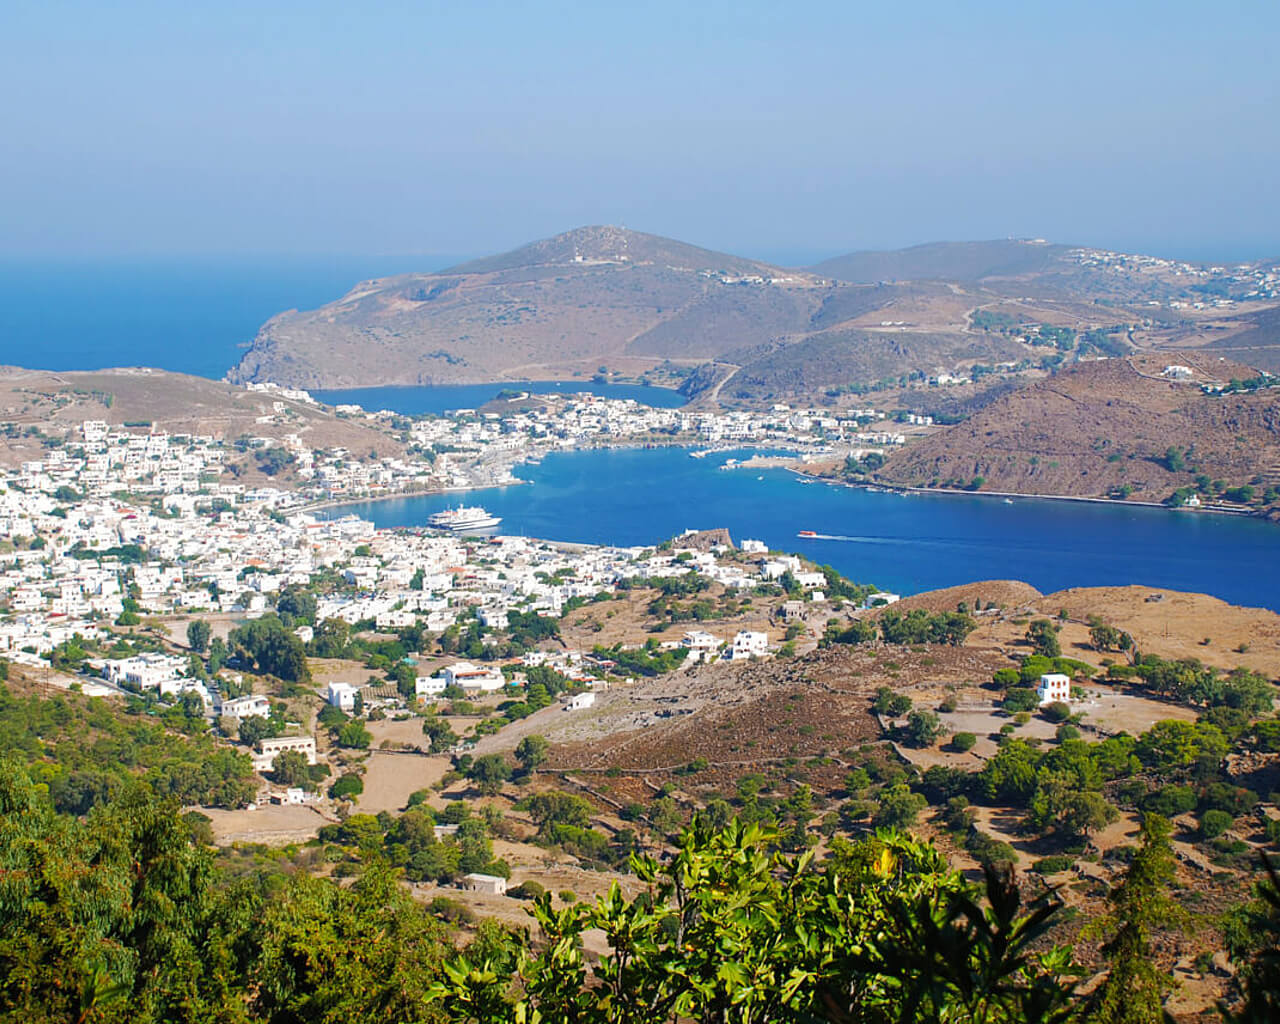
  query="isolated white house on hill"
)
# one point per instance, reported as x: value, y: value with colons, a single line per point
x: 494, y: 885
x: 1054, y: 687
x: 579, y: 701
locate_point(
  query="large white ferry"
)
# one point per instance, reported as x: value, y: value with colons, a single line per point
x: 463, y: 520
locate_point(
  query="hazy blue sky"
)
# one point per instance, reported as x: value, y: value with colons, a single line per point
x: 770, y: 129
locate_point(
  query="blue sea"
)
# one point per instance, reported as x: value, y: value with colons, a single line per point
x: 414, y: 401
x: 187, y: 316
x: 194, y: 317
x: 902, y: 543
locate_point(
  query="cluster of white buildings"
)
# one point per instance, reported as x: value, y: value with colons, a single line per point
x: 1251, y: 281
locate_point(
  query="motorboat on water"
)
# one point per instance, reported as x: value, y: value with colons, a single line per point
x: 464, y: 519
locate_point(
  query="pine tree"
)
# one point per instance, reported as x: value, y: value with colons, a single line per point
x: 1139, y: 906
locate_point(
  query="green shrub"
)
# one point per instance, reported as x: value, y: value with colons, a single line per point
x: 346, y: 786
x: 1052, y: 865
x: 528, y: 890
x: 1214, y: 822
x: 1021, y: 698
x: 963, y: 741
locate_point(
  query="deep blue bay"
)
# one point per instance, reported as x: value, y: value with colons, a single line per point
x: 192, y: 316
x: 903, y: 543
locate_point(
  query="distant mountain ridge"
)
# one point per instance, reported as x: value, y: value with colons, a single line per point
x: 604, y: 297
x: 607, y: 244
x: 946, y: 261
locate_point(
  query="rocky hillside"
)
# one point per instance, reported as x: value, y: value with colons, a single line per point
x: 627, y: 302
x: 1104, y: 428
x: 40, y: 404
x: 556, y: 308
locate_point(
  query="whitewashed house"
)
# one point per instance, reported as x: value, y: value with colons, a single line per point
x: 749, y: 643
x: 494, y: 885
x: 245, y: 707
x: 473, y: 677
x: 428, y: 686
x: 1054, y: 687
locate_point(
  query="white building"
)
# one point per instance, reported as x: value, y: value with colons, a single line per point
x: 245, y: 707
x: 428, y: 686
x: 579, y: 701
x: 1054, y: 688
x: 494, y: 885
x: 343, y: 695
x: 880, y: 599
x: 749, y: 643
x: 473, y: 677
x: 269, y: 749
x: 702, y: 645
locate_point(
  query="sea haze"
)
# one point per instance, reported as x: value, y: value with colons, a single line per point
x: 189, y: 316
x: 904, y: 543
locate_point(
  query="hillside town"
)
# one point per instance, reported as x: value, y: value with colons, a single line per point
x: 120, y: 525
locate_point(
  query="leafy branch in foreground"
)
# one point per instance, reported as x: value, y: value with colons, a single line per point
x: 731, y: 930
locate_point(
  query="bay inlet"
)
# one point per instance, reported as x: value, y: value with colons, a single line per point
x: 901, y: 542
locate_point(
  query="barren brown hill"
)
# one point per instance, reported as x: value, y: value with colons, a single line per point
x: 555, y: 308
x: 1175, y: 625
x: 1103, y: 428
x: 56, y: 403
x: 1010, y: 594
x: 735, y: 716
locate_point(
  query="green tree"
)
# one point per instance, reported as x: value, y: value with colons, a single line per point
x: 406, y: 679
x: 113, y: 918
x: 198, y: 635
x: 346, y: 786
x: 1137, y: 909
x: 354, y: 735
x: 890, y: 703
x: 1020, y: 698
x: 1104, y: 637
x: 923, y: 728
x: 271, y: 648
x: 733, y: 931
x: 1214, y: 823
x: 898, y: 808
x: 963, y: 741
x: 532, y: 751
x: 489, y: 772
x: 551, y: 808
x: 298, y: 603
x: 439, y: 735
x: 334, y: 954
x: 290, y: 768
x: 255, y: 728
x: 1044, y: 639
